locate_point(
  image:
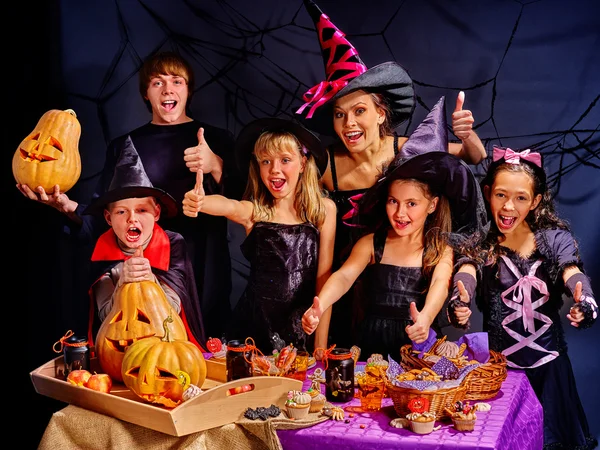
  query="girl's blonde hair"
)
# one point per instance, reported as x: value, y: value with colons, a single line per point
x: 309, y: 196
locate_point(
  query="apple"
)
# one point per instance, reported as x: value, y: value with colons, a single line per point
x: 100, y: 382
x: 79, y: 377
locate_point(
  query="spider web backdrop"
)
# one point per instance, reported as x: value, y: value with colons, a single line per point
x: 530, y: 71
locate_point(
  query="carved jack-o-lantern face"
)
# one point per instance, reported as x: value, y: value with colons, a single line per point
x: 49, y: 155
x: 138, y: 312
x: 160, y: 369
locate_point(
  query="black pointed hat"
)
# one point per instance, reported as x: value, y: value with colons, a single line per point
x: 425, y: 157
x: 131, y: 181
x: 346, y: 73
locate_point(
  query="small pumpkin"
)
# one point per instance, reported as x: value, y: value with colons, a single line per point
x: 138, y: 312
x: 49, y: 155
x: 159, y: 370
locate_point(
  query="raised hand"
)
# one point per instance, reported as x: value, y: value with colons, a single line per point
x: 462, y: 120
x: 56, y: 199
x: 575, y: 314
x: 419, y: 330
x: 201, y: 157
x: 137, y: 268
x: 462, y: 313
x: 194, y: 199
x: 312, y: 316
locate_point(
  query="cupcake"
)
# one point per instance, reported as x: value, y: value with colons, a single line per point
x: 421, y: 420
x: 317, y: 400
x: 463, y: 416
x: 298, y: 404
x: 421, y: 423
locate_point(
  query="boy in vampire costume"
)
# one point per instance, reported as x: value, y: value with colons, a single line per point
x: 136, y: 248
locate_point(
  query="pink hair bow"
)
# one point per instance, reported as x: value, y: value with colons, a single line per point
x: 512, y: 157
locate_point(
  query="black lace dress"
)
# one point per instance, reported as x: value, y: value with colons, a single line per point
x: 283, y: 274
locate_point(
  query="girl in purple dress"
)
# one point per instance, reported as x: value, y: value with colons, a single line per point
x: 526, y: 263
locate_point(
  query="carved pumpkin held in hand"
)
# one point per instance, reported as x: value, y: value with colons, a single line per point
x: 138, y: 312
x: 49, y: 155
x: 159, y: 370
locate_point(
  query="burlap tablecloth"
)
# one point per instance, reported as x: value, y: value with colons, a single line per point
x: 77, y: 428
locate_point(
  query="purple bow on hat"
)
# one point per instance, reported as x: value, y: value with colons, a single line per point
x: 512, y: 157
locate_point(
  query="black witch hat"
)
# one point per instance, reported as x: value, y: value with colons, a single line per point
x: 244, y: 145
x: 346, y: 73
x: 131, y: 181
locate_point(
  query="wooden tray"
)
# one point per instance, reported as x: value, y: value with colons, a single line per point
x: 214, y: 407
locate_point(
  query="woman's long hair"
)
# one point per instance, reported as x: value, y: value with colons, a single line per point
x: 308, y: 200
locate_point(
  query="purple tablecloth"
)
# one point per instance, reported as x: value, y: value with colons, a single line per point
x: 515, y: 421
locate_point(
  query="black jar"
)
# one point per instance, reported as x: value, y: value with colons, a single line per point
x: 76, y: 354
x: 339, y: 376
x: 238, y: 360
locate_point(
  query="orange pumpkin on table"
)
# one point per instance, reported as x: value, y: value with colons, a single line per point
x: 138, y: 312
x: 49, y: 155
x: 159, y: 370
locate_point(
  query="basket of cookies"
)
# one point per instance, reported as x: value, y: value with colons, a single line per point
x: 483, y: 382
x: 441, y: 386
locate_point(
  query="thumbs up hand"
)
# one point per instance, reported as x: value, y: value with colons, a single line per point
x: 201, y: 157
x: 462, y: 120
x: 194, y: 199
x: 419, y: 330
x: 312, y: 316
x: 136, y: 268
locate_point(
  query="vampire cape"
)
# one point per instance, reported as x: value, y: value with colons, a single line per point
x: 171, y: 265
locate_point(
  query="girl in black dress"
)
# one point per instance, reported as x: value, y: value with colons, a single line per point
x: 290, y: 227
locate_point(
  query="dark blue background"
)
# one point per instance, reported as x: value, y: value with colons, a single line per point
x: 530, y: 71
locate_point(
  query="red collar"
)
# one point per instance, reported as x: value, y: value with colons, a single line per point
x: 158, y: 250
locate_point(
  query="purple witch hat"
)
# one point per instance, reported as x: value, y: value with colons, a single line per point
x: 346, y: 73
x: 425, y: 158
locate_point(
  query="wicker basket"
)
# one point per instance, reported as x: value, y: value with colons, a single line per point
x: 438, y: 400
x: 483, y: 383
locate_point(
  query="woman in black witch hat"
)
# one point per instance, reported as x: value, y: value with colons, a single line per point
x: 415, y: 214
x: 362, y: 107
